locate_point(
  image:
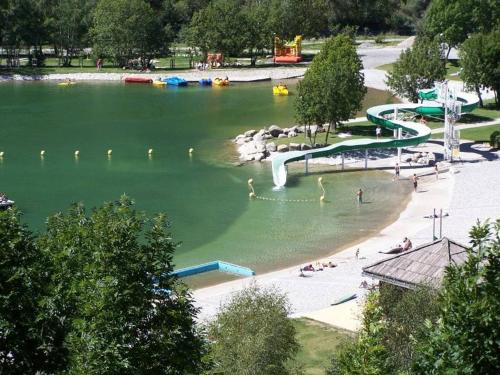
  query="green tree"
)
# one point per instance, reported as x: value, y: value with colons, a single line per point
x: 416, y: 69
x: 480, y: 62
x: 491, y: 63
x: 25, y: 346
x: 374, y: 15
x: 252, y: 333
x: 222, y: 26
x: 407, y: 18
x: 367, y: 355
x: 126, y: 313
x: 405, y: 312
x: 70, y: 22
x: 94, y: 294
x: 125, y: 29
x: 393, y: 324
x: 289, y: 18
x: 333, y: 87
x: 465, y: 339
x: 454, y: 20
x: 260, y: 34
x: 26, y: 26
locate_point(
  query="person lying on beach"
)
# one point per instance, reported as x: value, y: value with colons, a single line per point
x: 363, y: 284
x: 309, y: 267
x: 407, y: 245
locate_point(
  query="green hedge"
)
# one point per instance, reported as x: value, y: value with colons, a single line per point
x: 495, y: 139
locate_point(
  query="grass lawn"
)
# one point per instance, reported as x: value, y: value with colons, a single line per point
x: 478, y: 134
x: 452, y: 68
x: 364, y: 129
x: 318, y: 342
x: 489, y: 110
x: 88, y: 66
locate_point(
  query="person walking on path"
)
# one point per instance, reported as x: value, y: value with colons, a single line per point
x: 415, y: 182
x: 359, y: 194
x: 378, y: 131
x: 396, y: 171
x: 436, y: 171
x: 357, y: 253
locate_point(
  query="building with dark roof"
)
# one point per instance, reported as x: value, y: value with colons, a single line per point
x: 424, y: 265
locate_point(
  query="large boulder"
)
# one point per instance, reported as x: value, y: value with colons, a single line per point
x: 260, y: 147
x: 271, y: 147
x: 292, y: 134
x: 259, y: 156
x: 294, y: 146
x: 240, y: 141
x: 248, y: 139
x: 282, y: 135
x: 305, y: 146
x: 258, y: 137
x: 282, y: 148
x: 250, y: 133
x: 275, y: 130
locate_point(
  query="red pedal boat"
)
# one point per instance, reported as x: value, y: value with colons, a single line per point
x: 138, y: 80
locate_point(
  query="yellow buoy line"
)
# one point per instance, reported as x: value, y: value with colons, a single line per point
x: 150, y: 153
x: 253, y: 195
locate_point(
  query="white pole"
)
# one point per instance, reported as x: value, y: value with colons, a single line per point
x: 446, y: 140
x: 366, y: 159
x: 400, y: 135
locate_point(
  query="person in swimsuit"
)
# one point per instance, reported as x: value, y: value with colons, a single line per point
x: 360, y: 196
x: 396, y: 171
x: 415, y: 182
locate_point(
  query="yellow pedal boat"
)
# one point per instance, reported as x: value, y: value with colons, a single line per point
x: 280, y: 90
x: 159, y: 83
x: 220, y: 82
x: 67, y: 83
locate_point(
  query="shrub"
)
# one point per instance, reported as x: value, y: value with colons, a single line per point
x: 379, y: 39
x: 495, y: 139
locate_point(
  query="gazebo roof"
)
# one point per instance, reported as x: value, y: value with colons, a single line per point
x: 424, y: 265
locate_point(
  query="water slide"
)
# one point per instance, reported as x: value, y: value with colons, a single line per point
x: 413, y: 133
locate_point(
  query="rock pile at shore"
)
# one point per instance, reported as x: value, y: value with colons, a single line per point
x: 257, y: 144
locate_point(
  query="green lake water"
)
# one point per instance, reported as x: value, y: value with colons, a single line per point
x: 206, y: 195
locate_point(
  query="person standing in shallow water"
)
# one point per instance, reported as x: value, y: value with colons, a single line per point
x: 359, y: 195
x: 396, y: 171
x: 415, y: 182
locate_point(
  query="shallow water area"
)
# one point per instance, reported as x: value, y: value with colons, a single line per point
x: 204, y: 195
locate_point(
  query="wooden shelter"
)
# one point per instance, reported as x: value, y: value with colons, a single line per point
x: 424, y: 265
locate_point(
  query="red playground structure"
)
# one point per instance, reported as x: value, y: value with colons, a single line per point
x: 215, y: 59
x: 288, y: 52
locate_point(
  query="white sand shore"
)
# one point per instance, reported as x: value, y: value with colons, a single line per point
x: 235, y: 75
